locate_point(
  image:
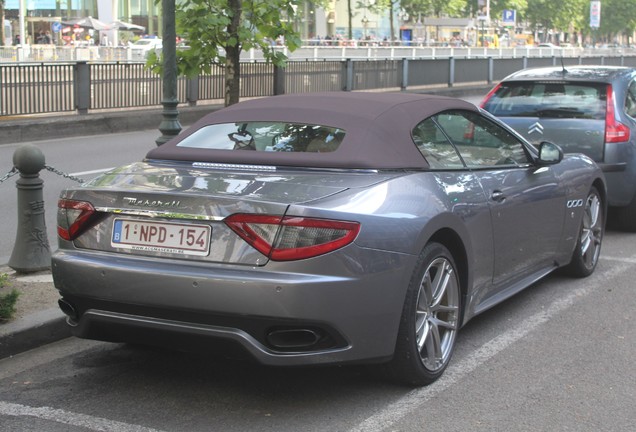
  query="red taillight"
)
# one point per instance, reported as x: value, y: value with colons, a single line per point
x: 614, y: 131
x: 469, y: 133
x: 489, y: 95
x: 292, y: 238
x: 73, y: 217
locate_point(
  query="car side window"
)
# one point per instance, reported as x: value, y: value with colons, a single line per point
x: 435, y: 146
x: 482, y: 143
x: 630, y: 100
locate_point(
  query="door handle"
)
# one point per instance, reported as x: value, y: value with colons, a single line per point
x: 498, y: 196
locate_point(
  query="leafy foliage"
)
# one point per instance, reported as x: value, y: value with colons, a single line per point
x: 8, y: 300
x: 438, y: 8
x: 217, y: 31
x: 617, y: 16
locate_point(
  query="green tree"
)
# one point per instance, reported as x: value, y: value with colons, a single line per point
x: 380, y: 6
x: 437, y: 8
x: 217, y: 31
x: 550, y: 15
x: 617, y: 17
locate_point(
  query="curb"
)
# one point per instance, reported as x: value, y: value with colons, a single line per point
x: 32, y: 331
x: 37, y: 128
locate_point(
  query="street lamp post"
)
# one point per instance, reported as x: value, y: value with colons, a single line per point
x: 365, y: 24
x: 170, y: 126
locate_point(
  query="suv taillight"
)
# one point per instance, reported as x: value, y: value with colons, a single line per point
x: 292, y: 238
x: 489, y: 95
x: 73, y: 217
x: 614, y: 130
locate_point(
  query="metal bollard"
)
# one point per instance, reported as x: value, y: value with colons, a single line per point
x: 31, y: 251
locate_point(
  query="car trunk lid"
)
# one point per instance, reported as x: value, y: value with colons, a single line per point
x: 177, y: 210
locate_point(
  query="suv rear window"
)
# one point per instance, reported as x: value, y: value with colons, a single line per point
x: 548, y: 100
x: 266, y: 137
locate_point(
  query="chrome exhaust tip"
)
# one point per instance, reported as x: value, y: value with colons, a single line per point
x: 293, y: 339
x: 68, y: 309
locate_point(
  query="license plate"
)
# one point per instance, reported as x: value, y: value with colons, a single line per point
x: 187, y: 239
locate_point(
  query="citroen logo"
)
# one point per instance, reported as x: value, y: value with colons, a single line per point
x: 536, y: 127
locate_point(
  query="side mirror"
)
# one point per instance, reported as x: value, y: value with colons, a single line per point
x: 550, y: 153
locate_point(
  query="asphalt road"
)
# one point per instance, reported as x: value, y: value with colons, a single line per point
x: 556, y: 357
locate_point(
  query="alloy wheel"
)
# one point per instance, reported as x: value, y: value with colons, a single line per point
x: 437, y: 314
x: 592, y: 231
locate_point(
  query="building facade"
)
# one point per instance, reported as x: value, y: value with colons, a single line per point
x: 312, y: 22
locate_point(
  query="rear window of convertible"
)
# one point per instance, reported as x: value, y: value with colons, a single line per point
x: 549, y: 100
x: 266, y: 137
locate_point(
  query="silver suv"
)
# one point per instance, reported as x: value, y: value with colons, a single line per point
x: 584, y: 109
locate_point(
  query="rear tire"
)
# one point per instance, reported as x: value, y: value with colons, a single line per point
x: 588, y: 245
x: 430, y: 319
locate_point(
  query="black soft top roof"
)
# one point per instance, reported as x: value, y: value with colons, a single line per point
x: 378, y: 129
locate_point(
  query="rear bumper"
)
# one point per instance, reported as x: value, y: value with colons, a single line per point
x: 195, y: 337
x: 278, y: 318
x: 616, y: 167
x: 621, y: 186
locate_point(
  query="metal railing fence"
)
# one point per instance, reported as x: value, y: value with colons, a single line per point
x: 339, y: 51
x: 55, y: 87
x: 125, y: 85
x: 37, y: 88
x: 314, y: 76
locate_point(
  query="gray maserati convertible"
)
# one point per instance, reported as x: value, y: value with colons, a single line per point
x: 325, y: 228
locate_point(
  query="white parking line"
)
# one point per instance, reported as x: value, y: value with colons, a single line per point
x: 98, y: 171
x: 394, y: 412
x: 70, y: 418
x: 619, y: 259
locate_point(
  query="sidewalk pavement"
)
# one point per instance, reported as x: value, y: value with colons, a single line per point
x: 20, y: 129
x: 39, y: 320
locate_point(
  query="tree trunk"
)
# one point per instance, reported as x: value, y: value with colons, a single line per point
x: 349, y: 18
x: 233, y: 56
x: 2, y: 36
x: 391, y: 4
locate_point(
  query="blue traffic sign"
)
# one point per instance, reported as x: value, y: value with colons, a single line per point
x: 509, y: 16
x: 56, y: 27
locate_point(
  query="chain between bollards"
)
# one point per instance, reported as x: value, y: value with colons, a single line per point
x: 63, y: 174
x: 8, y: 175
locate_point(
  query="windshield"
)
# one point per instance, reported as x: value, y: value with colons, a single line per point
x: 549, y: 100
x: 266, y: 137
